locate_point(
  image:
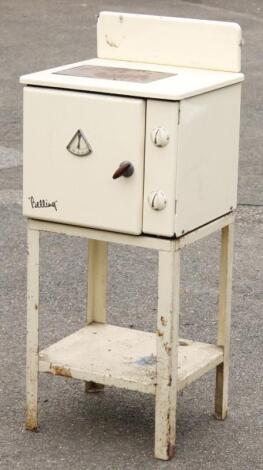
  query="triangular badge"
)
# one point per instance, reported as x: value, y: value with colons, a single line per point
x: 79, y: 145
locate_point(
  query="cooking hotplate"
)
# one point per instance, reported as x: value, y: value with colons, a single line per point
x: 115, y: 73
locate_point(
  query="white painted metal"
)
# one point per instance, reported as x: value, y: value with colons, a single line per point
x: 97, y: 292
x: 160, y: 167
x: 132, y: 240
x: 89, y: 233
x: 123, y: 357
x: 167, y: 353
x: 197, y: 170
x: 148, y: 362
x: 186, y: 81
x: 207, y: 168
x: 97, y: 281
x: 204, y: 231
x: 82, y: 188
x: 224, y: 319
x: 73, y: 143
x: 166, y: 40
x: 32, y: 328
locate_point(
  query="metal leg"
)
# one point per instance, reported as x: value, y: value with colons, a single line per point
x: 167, y: 353
x: 224, y: 318
x: 97, y: 291
x: 32, y: 328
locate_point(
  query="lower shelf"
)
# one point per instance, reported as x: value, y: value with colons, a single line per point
x: 123, y: 357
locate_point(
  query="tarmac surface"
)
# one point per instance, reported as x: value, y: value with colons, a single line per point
x: 115, y: 429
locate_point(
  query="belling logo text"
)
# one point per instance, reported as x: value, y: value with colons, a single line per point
x: 42, y: 203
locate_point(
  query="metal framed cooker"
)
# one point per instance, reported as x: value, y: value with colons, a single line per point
x: 176, y: 125
x: 138, y: 146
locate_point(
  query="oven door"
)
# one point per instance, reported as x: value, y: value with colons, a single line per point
x: 73, y: 144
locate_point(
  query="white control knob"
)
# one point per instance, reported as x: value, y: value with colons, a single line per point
x: 160, y: 137
x: 157, y: 200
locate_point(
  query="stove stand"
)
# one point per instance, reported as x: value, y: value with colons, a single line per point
x: 101, y: 354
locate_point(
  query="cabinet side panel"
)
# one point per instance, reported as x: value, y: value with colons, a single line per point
x: 207, y: 170
x: 160, y: 167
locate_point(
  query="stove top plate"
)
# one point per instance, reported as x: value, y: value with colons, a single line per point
x: 115, y: 73
x: 132, y: 79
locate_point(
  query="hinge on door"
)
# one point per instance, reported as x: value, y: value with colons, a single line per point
x: 179, y: 112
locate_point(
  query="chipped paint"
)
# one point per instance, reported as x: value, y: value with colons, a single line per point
x: 167, y: 348
x: 110, y: 42
x: 60, y: 370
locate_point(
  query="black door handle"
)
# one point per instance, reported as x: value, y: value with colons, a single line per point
x: 125, y: 169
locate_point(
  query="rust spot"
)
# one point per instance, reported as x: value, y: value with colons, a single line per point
x: 63, y: 371
x: 31, y: 421
x: 170, y: 446
x: 171, y: 450
x: 163, y: 321
x: 30, y: 428
x: 167, y: 348
x: 159, y: 333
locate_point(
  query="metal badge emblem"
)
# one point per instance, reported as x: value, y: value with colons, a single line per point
x: 79, y: 145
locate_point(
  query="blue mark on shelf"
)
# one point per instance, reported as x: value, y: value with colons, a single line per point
x: 146, y: 360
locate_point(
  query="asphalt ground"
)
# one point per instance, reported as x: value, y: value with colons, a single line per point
x: 115, y: 429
